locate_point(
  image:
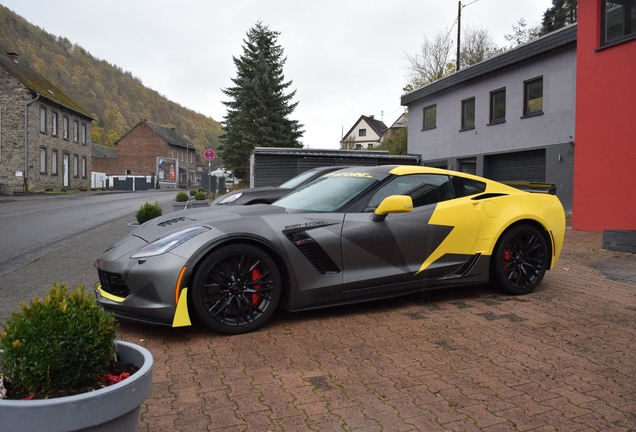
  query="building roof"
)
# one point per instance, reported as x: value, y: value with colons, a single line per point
x: 101, y: 151
x: 324, y: 153
x: 38, y: 84
x: 169, y: 135
x: 378, y: 126
x: 551, y: 41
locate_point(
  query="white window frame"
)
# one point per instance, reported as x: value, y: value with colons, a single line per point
x: 83, y: 134
x: 75, y: 131
x: 53, y: 162
x: 42, y: 160
x: 42, y: 119
x: 65, y: 126
x: 53, y: 123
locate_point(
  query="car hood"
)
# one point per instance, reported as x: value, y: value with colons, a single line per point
x: 208, y: 216
x: 261, y: 190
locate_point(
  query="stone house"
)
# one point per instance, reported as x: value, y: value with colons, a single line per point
x: 45, y: 137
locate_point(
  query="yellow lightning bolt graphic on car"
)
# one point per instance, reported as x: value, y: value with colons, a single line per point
x: 462, y: 216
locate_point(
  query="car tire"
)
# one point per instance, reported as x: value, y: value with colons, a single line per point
x: 236, y: 289
x: 520, y: 260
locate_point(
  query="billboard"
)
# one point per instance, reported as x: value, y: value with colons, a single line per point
x: 167, y: 170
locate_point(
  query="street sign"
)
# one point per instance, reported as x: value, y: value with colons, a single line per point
x: 209, y: 154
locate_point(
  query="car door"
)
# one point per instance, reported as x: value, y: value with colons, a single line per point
x: 406, y: 249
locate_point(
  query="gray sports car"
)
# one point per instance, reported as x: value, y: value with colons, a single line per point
x: 352, y: 235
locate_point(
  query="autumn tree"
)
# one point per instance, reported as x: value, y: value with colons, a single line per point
x: 396, y: 143
x: 259, y: 109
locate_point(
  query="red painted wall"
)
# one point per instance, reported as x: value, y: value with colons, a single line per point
x: 605, y: 141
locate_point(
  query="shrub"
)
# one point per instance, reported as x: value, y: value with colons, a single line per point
x: 148, y: 211
x: 200, y: 196
x: 182, y: 197
x: 193, y: 192
x: 59, y: 343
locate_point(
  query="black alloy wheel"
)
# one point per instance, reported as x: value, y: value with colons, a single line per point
x: 521, y: 259
x: 236, y: 289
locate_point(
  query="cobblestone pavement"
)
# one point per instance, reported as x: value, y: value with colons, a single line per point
x: 562, y: 358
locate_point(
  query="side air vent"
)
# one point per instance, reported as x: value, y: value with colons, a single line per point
x: 314, y: 253
x: 487, y: 196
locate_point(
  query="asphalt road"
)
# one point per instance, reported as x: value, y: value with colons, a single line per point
x: 56, y: 238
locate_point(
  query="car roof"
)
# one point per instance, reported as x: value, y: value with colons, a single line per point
x: 405, y: 169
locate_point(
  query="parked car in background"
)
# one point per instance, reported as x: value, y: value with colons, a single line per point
x: 269, y: 194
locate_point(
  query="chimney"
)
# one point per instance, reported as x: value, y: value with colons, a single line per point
x: 372, y: 116
x: 13, y: 56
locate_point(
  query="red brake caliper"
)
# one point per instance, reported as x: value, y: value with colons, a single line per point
x: 507, y: 256
x: 256, y: 275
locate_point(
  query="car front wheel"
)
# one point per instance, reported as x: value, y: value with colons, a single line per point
x: 520, y: 260
x: 236, y: 289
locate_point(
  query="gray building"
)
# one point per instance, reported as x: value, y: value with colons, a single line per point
x: 510, y: 117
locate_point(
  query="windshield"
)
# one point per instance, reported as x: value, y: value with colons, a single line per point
x: 328, y: 193
x: 294, y: 182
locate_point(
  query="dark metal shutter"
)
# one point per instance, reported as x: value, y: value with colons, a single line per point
x: 468, y: 165
x: 272, y: 170
x: 519, y: 166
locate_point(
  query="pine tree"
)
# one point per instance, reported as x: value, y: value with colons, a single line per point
x: 562, y: 13
x: 258, y: 114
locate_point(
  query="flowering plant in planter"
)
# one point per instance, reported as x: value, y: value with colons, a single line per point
x: 60, y: 345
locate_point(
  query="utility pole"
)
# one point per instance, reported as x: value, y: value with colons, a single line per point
x: 459, y: 30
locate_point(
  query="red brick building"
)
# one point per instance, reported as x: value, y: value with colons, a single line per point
x: 138, y: 150
x: 605, y: 142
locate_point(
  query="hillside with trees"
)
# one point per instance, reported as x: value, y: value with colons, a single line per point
x: 115, y: 98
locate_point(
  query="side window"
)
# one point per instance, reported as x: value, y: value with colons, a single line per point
x: 430, y: 117
x: 533, y: 97
x: 618, y: 20
x: 422, y: 188
x: 498, y: 106
x: 466, y: 187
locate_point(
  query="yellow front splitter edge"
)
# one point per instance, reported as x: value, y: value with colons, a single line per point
x: 181, y: 315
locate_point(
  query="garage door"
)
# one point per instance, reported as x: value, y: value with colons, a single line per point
x: 525, y: 166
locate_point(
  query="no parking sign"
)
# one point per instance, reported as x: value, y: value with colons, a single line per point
x: 209, y: 155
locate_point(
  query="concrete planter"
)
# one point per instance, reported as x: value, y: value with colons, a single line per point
x: 111, y: 409
x: 189, y: 204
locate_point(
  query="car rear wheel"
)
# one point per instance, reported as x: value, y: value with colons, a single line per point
x: 236, y: 289
x: 520, y: 259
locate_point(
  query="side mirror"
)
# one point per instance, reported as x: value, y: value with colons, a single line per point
x: 393, y: 204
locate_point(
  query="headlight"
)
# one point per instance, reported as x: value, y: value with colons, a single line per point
x: 165, y: 244
x: 231, y: 198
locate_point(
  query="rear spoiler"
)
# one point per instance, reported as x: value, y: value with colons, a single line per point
x: 535, y: 187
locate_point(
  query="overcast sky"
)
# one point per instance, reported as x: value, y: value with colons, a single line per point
x: 345, y: 57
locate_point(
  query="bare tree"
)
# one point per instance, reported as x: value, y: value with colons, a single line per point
x: 435, y: 59
x: 477, y: 46
x: 431, y: 62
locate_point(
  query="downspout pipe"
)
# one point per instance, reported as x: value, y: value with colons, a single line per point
x: 26, y: 141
